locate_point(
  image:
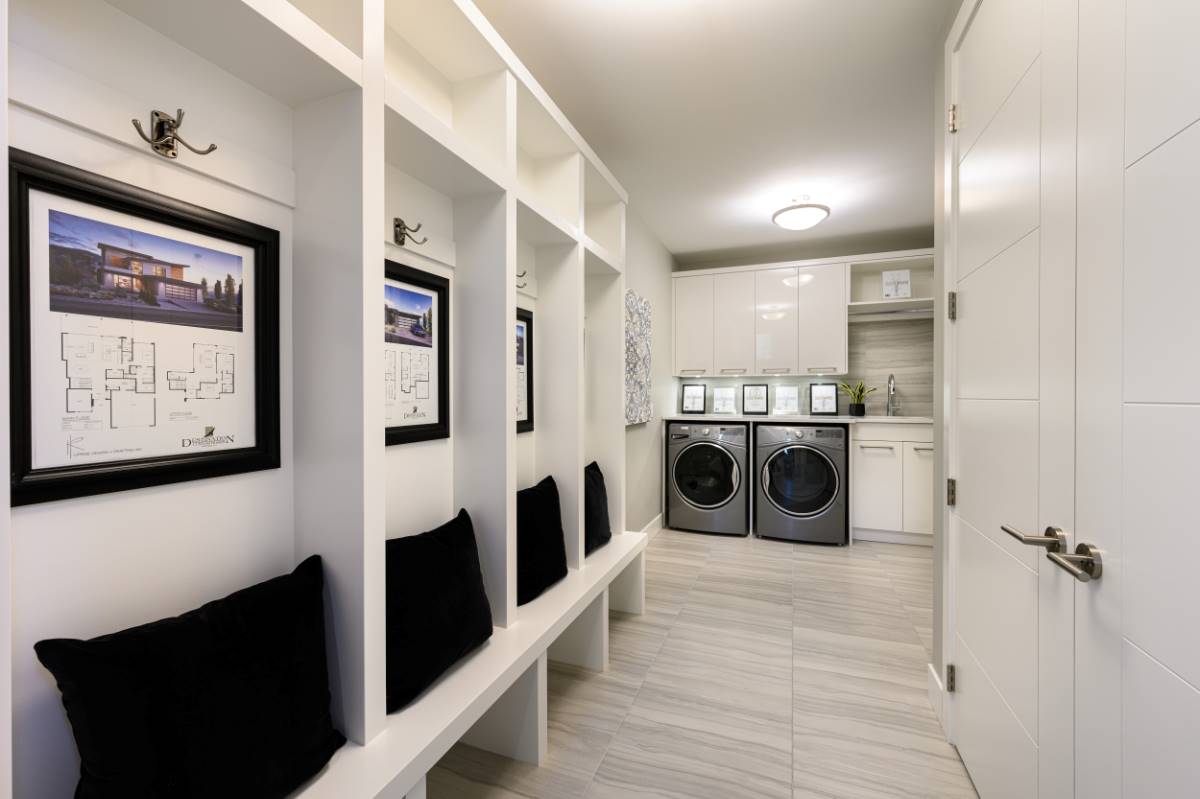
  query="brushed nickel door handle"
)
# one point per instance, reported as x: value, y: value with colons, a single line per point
x: 1054, y: 540
x: 1085, y: 565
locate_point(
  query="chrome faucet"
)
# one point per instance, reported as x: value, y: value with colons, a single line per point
x: 891, y: 397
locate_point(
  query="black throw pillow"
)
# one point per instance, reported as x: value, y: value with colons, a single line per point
x: 541, y: 551
x: 596, y: 529
x: 437, y: 609
x: 230, y: 699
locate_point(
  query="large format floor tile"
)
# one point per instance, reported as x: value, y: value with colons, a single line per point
x: 760, y: 670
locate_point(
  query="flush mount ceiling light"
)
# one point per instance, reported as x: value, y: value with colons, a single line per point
x: 801, y: 216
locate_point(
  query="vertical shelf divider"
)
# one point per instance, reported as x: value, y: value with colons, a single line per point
x: 483, y: 312
x: 558, y: 383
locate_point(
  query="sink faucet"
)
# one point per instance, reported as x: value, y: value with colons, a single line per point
x: 891, y: 396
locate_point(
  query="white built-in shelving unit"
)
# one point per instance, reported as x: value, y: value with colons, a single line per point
x: 332, y: 117
x: 866, y: 302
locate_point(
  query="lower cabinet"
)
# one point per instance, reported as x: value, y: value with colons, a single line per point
x: 891, y: 482
x: 877, y: 488
x: 918, y: 488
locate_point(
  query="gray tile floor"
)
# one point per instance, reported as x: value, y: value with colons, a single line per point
x: 760, y: 669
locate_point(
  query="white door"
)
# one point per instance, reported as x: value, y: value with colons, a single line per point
x: 1137, y: 693
x: 775, y: 322
x: 822, y: 322
x: 733, y: 334
x: 694, y: 325
x: 1010, y: 258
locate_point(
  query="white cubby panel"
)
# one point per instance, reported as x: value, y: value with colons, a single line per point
x: 436, y: 57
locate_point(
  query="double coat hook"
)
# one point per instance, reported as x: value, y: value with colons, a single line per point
x: 402, y: 233
x: 164, y: 137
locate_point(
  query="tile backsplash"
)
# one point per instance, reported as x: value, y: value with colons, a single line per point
x: 903, y: 348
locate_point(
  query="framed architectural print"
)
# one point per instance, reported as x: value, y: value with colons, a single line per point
x: 693, y: 398
x: 822, y: 399
x: 754, y: 399
x: 145, y: 337
x: 524, y: 344
x: 416, y: 354
x: 724, y: 399
x: 787, y: 401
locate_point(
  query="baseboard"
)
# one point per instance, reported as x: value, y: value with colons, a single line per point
x: 893, y: 537
x: 653, y: 526
x: 937, y: 696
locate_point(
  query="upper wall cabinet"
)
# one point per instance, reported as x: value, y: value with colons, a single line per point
x: 822, y: 340
x: 694, y: 310
x: 733, y: 323
x: 774, y: 321
x: 792, y: 319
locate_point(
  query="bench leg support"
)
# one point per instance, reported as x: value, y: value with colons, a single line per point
x: 417, y: 792
x: 585, y: 642
x: 627, y: 593
x: 516, y: 726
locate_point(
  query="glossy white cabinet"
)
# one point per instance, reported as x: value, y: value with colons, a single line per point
x: 733, y: 324
x: 877, y: 487
x: 918, y: 488
x: 822, y: 346
x: 694, y: 319
x: 775, y: 328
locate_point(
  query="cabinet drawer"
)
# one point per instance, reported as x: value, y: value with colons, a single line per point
x: 877, y: 484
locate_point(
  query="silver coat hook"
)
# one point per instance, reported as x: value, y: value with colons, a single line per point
x: 165, y: 130
x: 401, y: 232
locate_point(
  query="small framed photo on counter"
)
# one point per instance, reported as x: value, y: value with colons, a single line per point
x: 724, y: 399
x: 787, y: 401
x: 693, y: 398
x: 754, y: 399
x: 822, y: 399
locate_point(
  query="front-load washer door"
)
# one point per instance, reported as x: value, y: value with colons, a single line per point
x: 800, y: 481
x: 705, y: 475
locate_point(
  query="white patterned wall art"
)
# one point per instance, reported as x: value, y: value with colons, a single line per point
x: 639, y: 405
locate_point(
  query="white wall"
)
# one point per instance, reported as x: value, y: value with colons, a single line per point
x: 5, y: 539
x: 648, y: 268
x: 94, y: 565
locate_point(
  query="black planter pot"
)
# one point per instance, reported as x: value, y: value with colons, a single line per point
x: 858, y: 409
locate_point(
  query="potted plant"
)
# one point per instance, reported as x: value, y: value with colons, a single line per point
x: 858, y: 397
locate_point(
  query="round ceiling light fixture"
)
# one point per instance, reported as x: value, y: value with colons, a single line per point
x: 801, y: 216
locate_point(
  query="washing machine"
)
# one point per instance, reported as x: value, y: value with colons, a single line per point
x: 707, y: 477
x: 802, y: 485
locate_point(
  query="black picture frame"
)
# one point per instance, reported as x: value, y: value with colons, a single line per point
x: 408, y: 434
x: 28, y: 172
x: 683, y: 396
x: 766, y: 399
x: 811, y: 410
x: 525, y: 315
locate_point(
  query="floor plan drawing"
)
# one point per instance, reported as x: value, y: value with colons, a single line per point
x: 116, y: 371
x: 211, y: 376
x: 390, y: 378
x: 414, y: 374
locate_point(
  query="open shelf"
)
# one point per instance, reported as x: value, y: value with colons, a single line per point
x: 604, y: 213
x: 549, y: 166
x: 414, y: 739
x: 435, y: 56
x: 538, y: 227
x: 270, y: 44
x: 600, y: 260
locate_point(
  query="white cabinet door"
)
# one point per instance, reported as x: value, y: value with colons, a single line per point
x: 918, y: 488
x: 823, y: 329
x: 694, y: 325
x: 733, y: 329
x: 775, y: 322
x: 877, y: 490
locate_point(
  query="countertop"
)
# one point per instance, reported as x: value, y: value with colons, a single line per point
x: 737, y: 417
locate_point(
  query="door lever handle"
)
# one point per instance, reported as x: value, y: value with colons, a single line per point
x: 1085, y: 565
x: 1054, y: 540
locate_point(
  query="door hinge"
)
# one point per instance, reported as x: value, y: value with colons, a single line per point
x: 952, y: 306
x: 951, y: 678
x: 952, y: 118
x: 951, y: 492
